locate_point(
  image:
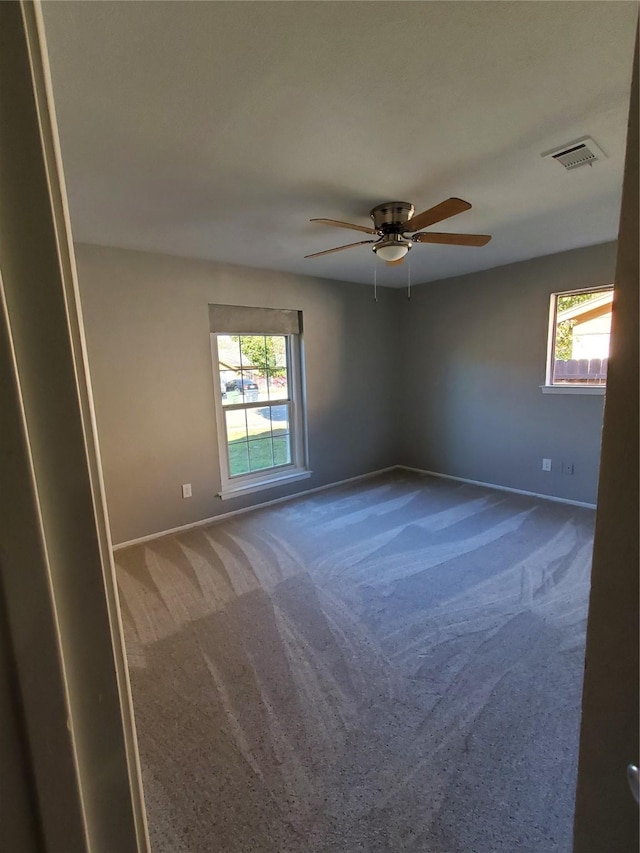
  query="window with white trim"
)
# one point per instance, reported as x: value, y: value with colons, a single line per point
x: 258, y: 390
x: 579, y: 332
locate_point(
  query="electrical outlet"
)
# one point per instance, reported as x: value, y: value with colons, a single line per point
x: 567, y: 467
x: 546, y: 464
x: 186, y: 490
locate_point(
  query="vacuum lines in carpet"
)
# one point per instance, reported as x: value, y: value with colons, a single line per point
x: 390, y: 666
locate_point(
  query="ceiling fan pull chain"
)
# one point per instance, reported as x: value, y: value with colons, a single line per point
x: 375, y: 279
x: 409, y: 278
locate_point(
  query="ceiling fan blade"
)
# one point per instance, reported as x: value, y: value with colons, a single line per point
x: 350, y: 225
x: 395, y: 263
x: 450, y: 207
x: 452, y: 239
x: 339, y: 248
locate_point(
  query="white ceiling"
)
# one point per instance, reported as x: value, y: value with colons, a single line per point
x: 218, y: 129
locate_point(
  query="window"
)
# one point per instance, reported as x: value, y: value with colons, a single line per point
x: 259, y: 401
x: 579, y: 330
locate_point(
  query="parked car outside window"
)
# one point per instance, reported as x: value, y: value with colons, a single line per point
x: 241, y: 385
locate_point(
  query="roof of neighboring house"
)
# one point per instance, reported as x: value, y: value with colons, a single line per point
x: 229, y: 355
x: 588, y: 310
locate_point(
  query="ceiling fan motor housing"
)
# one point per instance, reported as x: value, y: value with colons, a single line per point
x: 390, y: 216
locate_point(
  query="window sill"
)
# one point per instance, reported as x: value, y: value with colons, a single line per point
x: 291, y: 476
x: 594, y: 390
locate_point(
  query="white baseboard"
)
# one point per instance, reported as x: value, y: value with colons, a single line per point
x: 496, y: 486
x: 264, y: 504
x: 251, y: 508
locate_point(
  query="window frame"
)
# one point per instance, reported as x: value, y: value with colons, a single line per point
x: 235, y: 485
x: 579, y: 388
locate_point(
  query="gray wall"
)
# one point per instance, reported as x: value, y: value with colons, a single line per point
x: 474, y: 354
x: 448, y: 382
x: 147, y: 331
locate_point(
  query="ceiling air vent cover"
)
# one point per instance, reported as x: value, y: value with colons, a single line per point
x: 579, y: 153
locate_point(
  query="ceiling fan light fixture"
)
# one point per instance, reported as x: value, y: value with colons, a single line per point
x: 392, y: 249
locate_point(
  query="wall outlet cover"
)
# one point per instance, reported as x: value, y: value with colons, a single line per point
x: 186, y: 490
x: 546, y: 464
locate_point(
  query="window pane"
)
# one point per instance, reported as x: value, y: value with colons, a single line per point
x: 238, y: 458
x: 241, y: 388
x: 277, y: 384
x: 277, y: 376
x: 258, y: 422
x: 228, y: 364
x: 249, y: 386
x: 260, y: 453
x: 236, y: 425
x: 278, y: 418
x: 281, y: 449
x: 263, y: 360
x: 253, y: 352
x: 263, y: 424
x: 237, y: 442
x: 228, y: 353
x: 581, y: 340
x: 281, y: 437
x: 277, y: 345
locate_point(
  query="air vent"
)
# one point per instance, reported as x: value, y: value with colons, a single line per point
x: 579, y: 153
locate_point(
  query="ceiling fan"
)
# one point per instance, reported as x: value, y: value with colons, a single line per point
x: 395, y: 225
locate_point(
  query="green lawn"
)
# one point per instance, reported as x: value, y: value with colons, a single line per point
x: 258, y: 453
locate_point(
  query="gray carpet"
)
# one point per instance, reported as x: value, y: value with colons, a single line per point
x: 390, y: 666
